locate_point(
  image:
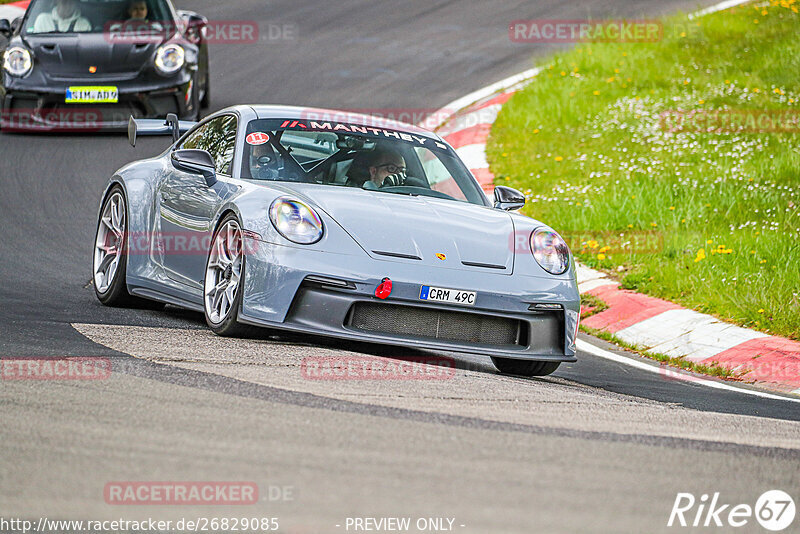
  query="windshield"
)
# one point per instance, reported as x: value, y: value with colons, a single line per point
x: 349, y: 155
x: 112, y: 16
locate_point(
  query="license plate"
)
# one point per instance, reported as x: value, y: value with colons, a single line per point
x: 451, y: 296
x: 92, y: 95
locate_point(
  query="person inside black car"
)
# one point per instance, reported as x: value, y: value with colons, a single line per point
x: 65, y: 17
x: 137, y: 10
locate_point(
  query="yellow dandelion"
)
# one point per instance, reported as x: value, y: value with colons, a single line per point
x: 709, y: 241
x: 601, y: 256
x: 761, y: 310
x: 592, y: 243
x: 595, y: 93
x: 683, y: 220
x: 563, y: 73
x: 653, y: 224
x: 630, y: 226
x: 762, y: 262
x: 701, y: 255
x: 672, y: 208
x: 536, y: 130
x: 559, y: 158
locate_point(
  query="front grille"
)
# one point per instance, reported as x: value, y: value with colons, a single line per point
x: 443, y: 325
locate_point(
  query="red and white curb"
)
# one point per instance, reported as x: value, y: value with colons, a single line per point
x: 651, y: 324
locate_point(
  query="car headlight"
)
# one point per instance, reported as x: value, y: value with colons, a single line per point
x: 170, y: 58
x: 296, y: 221
x: 17, y: 61
x: 550, y: 251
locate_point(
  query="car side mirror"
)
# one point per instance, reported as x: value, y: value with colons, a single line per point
x: 196, y: 162
x: 193, y: 25
x: 508, y: 199
x: 173, y: 122
x: 5, y: 28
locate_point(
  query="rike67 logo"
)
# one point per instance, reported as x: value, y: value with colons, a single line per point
x: 774, y: 510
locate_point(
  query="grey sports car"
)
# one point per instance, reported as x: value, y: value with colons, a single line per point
x: 335, y: 224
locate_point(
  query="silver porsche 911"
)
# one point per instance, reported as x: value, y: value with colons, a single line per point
x: 335, y: 224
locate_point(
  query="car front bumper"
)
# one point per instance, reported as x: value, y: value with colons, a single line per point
x: 522, y: 317
x: 42, y: 107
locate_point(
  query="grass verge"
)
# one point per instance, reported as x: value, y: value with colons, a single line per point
x: 702, y: 214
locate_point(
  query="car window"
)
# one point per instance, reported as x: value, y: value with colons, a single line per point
x: 356, y: 156
x: 93, y: 16
x: 439, y: 178
x: 218, y: 138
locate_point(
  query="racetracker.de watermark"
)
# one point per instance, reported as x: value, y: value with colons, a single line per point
x: 727, y: 121
x: 42, y: 368
x: 64, y: 119
x: 174, y: 243
x: 391, y: 118
x: 180, y: 493
x: 751, y: 370
x: 598, y: 241
x: 585, y: 31
x: 213, y: 32
x: 374, y: 368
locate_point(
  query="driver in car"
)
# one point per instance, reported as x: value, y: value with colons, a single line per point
x: 137, y: 11
x: 386, y: 168
x: 65, y: 17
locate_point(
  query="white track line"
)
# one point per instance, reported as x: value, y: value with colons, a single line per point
x: 460, y: 103
x: 717, y: 7
x: 520, y: 79
x: 675, y: 372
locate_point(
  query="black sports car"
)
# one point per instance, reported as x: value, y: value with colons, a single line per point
x: 88, y: 64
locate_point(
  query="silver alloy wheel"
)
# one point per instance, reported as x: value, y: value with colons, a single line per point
x: 109, y: 242
x: 223, y: 272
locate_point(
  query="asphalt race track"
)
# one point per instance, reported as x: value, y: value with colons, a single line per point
x: 597, y: 447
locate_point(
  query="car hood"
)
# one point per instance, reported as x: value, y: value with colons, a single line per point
x: 72, y: 55
x: 437, y: 232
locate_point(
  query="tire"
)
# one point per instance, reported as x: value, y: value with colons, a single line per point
x: 511, y: 366
x: 223, y: 284
x: 109, y: 260
x: 111, y: 288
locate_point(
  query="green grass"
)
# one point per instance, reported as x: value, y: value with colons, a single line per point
x: 583, y: 141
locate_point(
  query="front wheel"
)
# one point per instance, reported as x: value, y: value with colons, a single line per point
x: 511, y: 366
x: 223, y: 284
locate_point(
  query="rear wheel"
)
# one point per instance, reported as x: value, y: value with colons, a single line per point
x: 110, y: 260
x: 224, y: 281
x: 511, y: 366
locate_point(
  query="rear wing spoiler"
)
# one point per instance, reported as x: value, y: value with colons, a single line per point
x: 169, y: 126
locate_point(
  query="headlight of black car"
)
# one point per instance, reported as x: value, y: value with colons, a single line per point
x: 17, y: 61
x: 170, y: 58
x: 550, y: 251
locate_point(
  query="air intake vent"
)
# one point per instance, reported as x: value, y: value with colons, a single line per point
x: 443, y: 325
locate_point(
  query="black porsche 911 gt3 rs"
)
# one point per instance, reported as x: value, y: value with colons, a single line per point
x: 89, y: 64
